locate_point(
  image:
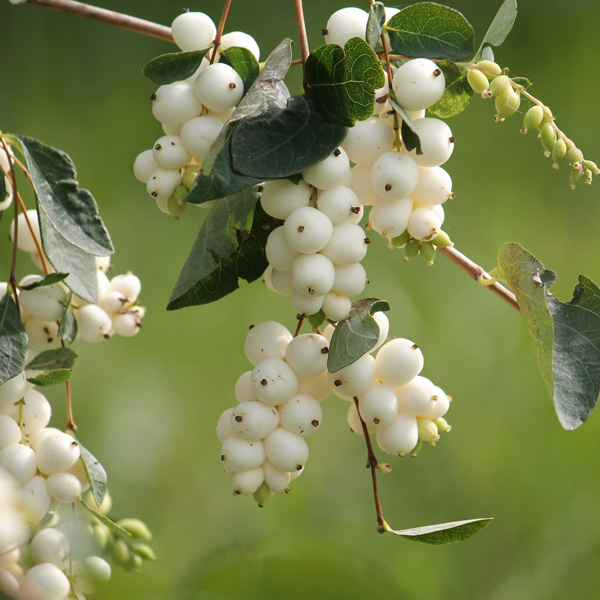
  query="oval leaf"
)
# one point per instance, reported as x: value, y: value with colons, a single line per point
x: 244, y: 63
x: 50, y: 279
x: 375, y: 24
x: 444, y: 533
x: 501, y: 26
x: 95, y: 473
x: 55, y: 377
x: 174, y: 66
x: 59, y: 358
x: 343, y: 81
x: 116, y: 529
x: 355, y: 336
x: 13, y: 340
x: 430, y: 30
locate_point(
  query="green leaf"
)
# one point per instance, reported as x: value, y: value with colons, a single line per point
x: 430, y: 30
x: 95, y: 473
x: 375, y: 24
x: 565, y: 336
x: 343, y: 81
x: 409, y: 136
x: 487, y: 54
x: 50, y: 279
x: 444, y: 533
x: 501, y: 26
x: 355, y: 336
x: 280, y: 143
x: 68, y: 258
x: 3, y: 192
x: 244, y: 63
x: 13, y: 340
x: 116, y: 529
x: 67, y: 330
x: 71, y: 210
x: 174, y: 66
x: 230, y: 245
x: 317, y: 319
x: 457, y: 94
x: 55, y: 377
x: 59, y: 358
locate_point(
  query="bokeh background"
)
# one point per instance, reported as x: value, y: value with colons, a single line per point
x: 147, y: 406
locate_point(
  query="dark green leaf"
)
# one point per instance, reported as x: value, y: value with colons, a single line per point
x: 280, y: 143
x: 96, y: 474
x: 343, y: 81
x: 430, y: 30
x: 13, y: 340
x: 116, y: 529
x: 67, y: 330
x: 317, y: 319
x: 244, y: 63
x: 375, y: 24
x: 409, y: 137
x: 50, y: 279
x: 55, y: 377
x: 565, y: 336
x: 229, y: 246
x: 355, y: 336
x: 71, y: 210
x: 501, y: 25
x: 59, y: 358
x: 68, y: 258
x: 444, y: 533
x: 457, y: 94
x: 174, y: 66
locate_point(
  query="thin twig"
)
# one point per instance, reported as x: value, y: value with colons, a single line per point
x: 477, y: 272
x: 387, y: 56
x: 70, y: 421
x: 108, y: 17
x: 301, y: 24
x: 220, y: 30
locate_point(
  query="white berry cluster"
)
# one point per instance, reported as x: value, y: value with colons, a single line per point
x: 314, y: 257
x: 192, y: 113
x: 116, y: 311
x: 263, y: 437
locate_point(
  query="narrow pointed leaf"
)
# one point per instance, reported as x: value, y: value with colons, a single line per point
x: 343, y: 81
x: 230, y: 245
x: 116, y: 529
x: 50, y: 279
x: 244, y: 63
x: 55, y: 377
x: 355, y: 336
x: 409, y: 137
x: 375, y: 24
x: 501, y: 26
x: 444, y: 533
x: 67, y: 330
x: 430, y: 30
x: 13, y: 340
x: 71, y: 210
x: 458, y: 92
x: 96, y: 474
x: 59, y: 358
x: 174, y: 66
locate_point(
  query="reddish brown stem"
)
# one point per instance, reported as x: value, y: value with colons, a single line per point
x: 301, y: 24
x: 372, y: 463
x: 220, y: 30
x: 476, y: 272
x: 108, y: 17
x: 70, y: 421
x: 300, y: 323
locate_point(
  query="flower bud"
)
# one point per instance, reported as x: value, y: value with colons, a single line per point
x: 548, y: 138
x: 442, y: 240
x: 188, y: 179
x: 262, y: 494
x: 506, y: 106
x: 559, y: 151
x: 401, y: 240
x: 138, y: 529
x: 175, y: 207
x: 145, y: 552
x: 411, y: 250
x: 592, y: 166
x: 532, y: 119
x: 478, y: 81
x: 428, y: 431
x: 576, y: 175
x: 427, y: 252
x: 490, y: 68
x: 120, y: 552
x: 574, y: 155
x: 501, y: 86
x: 442, y: 424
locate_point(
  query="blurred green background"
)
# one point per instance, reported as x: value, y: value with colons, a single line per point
x: 147, y: 406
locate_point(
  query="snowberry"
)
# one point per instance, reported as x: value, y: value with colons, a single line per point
x: 219, y: 87
x: 266, y: 340
x: 10, y: 433
x: 56, y: 453
x: 13, y: 389
x: 345, y: 24
x: 35, y: 412
x: 348, y: 244
x: 127, y: 284
x: 280, y: 197
x: 25, y: 240
x: 442, y: 404
x: 126, y: 324
x: 384, y: 327
x: 238, y: 454
x: 46, y: 302
x: 170, y: 153
x: 281, y: 282
x: 89, y: 572
x: 398, y: 362
x: 317, y: 387
x: 162, y: 183
x: 417, y: 397
x: 336, y: 306
x: 45, y: 582
x: 247, y: 482
x: 175, y: 103
x: 9, y: 584
x: 243, y: 387
x: 193, y: 31
x: 307, y: 230
x: 301, y: 414
x: 51, y: 545
x: 224, y: 425
x: 19, y: 460
x: 198, y: 134
x: 144, y: 165
x: 424, y: 223
x: 329, y: 172
x: 355, y: 379
x: 361, y: 185
x: 312, y: 274
x: 340, y: 204
x: 367, y: 140
x: 35, y: 500
x: 279, y: 254
x: 389, y: 218
x: 240, y: 39
x: 64, y: 487
x: 41, y: 334
x: 378, y: 406
x: 276, y: 479
x: 350, y: 280
x: 254, y: 420
x: 400, y: 437
x: 418, y: 84
x: 286, y: 450
x: 394, y: 175
x: 273, y: 381
x: 307, y: 354
x: 437, y: 142
x: 433, y: 187
x: 93, y: 323
x: 306, y: 304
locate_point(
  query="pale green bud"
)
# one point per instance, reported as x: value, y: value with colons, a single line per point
x: 427, y: 252
x: 501, y: 86
x: 400, y: 240
x: 490, y: 68
x: 442, y: 424
x: 175, y: 207
x: 145, y: 552
x: 546, y: 117
x: 592, y: 166
x: 442, y: 240
x: 262, y: 494
x: 188, y: 179
x: 136, y: 563
x: 506, y: 106
x: 416, y: 449
x: 411, y: 250
x: 138, y: 529
x: 478, y: 81
x: 102, y: 535
x: 120, y: 552
x: 532, y: 119
x: 548, y: 138
x: 559, y: 151
x: 576, y: 175
x: 574, y: 155
x: 428, y: 431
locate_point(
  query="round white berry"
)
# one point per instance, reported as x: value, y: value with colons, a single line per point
x: 340, y: 204
x: 281, y: 282
x: 126, y: 324
x: 25, y: 240
x: 170, y: 153
x: 240, y: 39
x: 345, y: 24
x: 348, y: 244
x: 10, y: 433
x: 361, y: 185
x: 389, y: 218
x: 266, y: 340
x: 253, y: 420
x: 46, y: 302
x: 329, y: 172
x: 199, y: 133
x: 336, y: 306
x: 312, y: 274
x: 41, y: 334
x: 19, y: 460
x: 301, y: 414
x: 286, y: 450
x: 144, y: 165
x: 276, y: 479
x: 418, y: 84
x: 45, y: 582
x: 219, y: 87
x: 51, y: 545
x: 367, y: 140
x: 307, y: 354
x: 442, y: 404
x: 417, y: 397
x: 378, y: 406
x: 398, y: 362
x: 12, y: 390
x: 433, y: 187
x: 175, y: 103
x: 93, y: 323
x: 305, y: 304
x: 423, y: 223
x: 162, y: 183
x: 243, y: 388
x: 89, y: 572
x: 394, y: 175
x: 273, y: 381
x: 278, y: 252
x: 437, y: 142
x: 384, y: 328
x: 247, y: 482
x: 56, y: 453
x: 35, y: 412
x: 64, y: 487
x: 350, y: 280
x: 400, y: 437
x: 307, y: 230
x: 355, y: 379
x: 280, y: 197
x: 238, y: 454
x: 318, y: 387
x: 35, y: 500
x: 224, y: 425
x: 193, y: 31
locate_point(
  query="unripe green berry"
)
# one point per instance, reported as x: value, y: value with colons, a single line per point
x: 576, y: 175
x: 592, y: 166
x: 442, y: 240
x: 478, y: 81
x: 262, y: 494
x: 428, y: 431
x: 506, y: 106
x: 145, y: 552
x: 401, y: 240
x: 574, y: 155
x: 442, y: 424
x: 138, y: 529
x: 533, y: 118
x: 490, y: 68
x: 501, y: 86
x: 136, y: 563
x: 176, y: 208
x: 548, y: 138
x: 427, y: 252
x: 102, y: 535
x: 411, y: 249
x: 188, y: 179
x: 180, y: 194
x: 416, y: 449
x: 559, y: 151
x: 120, y: 552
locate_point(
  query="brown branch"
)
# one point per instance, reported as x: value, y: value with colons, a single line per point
x: 477, y: 272
x: 220, y: 30
x: 108, y: 17
x: 301, y: 24
x: 70, y: 421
